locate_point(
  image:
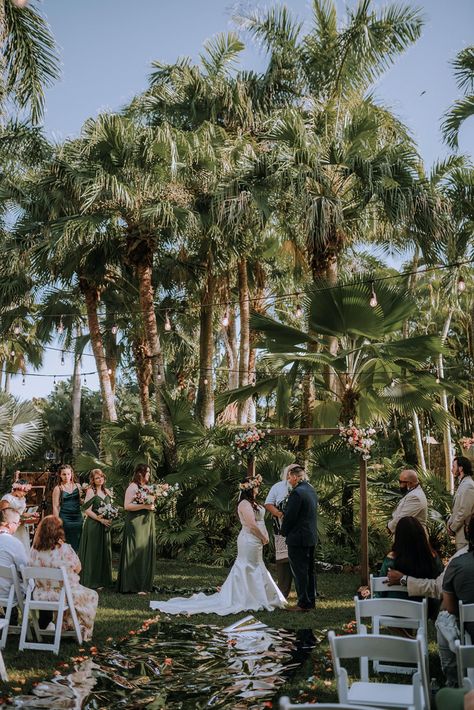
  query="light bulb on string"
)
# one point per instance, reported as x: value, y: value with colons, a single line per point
x: 109, y: 371
x: 17, y: 329
x: 85, y: 380
x: 225, y: 320
x: 373, y: 299
x: 54, y: 380
x: 298, y: 310
x: 300, y: 385
x: 461, y: 285
x: 159, y: 376
x: 23, y: 380
x: 113, y: 330
x: 62, y: 357
x: 12, y: 354
x: 438, y: 380
x: 60, y: 327
x: 167, y: 323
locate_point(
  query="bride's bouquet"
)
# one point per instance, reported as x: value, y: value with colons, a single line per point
x: 108, y: 511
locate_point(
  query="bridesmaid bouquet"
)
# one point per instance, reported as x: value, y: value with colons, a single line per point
x: 149, y: 494
x: 108, y: 511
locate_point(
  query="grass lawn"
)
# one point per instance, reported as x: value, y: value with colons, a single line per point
x: 118, y: 614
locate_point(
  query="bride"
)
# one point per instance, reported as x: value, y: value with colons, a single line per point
x: 249, y: 586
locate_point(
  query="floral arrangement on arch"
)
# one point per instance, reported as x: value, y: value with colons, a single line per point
x: 248, y: 442
x: 358, y: 439
x: 466, y: 442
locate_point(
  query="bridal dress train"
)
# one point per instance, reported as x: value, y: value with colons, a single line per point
x: 249, y: 586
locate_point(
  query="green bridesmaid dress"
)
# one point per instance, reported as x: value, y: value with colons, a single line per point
x: 95, y: 550
x: 70, y: 514
x: 137, y: 556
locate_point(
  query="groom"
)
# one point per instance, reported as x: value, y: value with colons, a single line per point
x: 299, y: 528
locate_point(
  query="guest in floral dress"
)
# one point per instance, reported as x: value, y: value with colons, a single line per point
x: 50, y: 550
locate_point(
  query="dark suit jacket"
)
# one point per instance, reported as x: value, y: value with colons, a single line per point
x: 299, y: 521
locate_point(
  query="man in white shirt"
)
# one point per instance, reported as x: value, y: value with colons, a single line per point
x: 273, y: 503
x: 413, y: 503
x: 463, y: 506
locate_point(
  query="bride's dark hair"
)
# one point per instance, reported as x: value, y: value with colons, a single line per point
x: 248, y: 494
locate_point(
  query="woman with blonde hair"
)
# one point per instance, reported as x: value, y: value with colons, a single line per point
x: 95, y: 550
x: 51, y: 550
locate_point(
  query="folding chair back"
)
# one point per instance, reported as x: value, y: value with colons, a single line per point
x: 395, y: 614
x: 65, y: 602
x: 466, y: 615
x: 286, y: 704
x: 465, y: 661
x: 380, y: 648
x: 380, y: 584
x: 9, y: 600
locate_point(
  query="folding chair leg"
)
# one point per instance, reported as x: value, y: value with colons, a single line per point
x: 3, y: 670
x: 59, y: 625
x: 24, y: 623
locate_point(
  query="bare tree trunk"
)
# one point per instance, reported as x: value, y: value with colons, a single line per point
x: 205, y: 394
x: 419, y: 442
x: 229, y: 336
x: 91, y: 297
x: 146, y: 292
x: 141, y: 354
x: 447, y: 443
x: 244, y: 350
x: 76, y: 404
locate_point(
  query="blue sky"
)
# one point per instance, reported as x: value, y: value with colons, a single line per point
x: 107, y: 47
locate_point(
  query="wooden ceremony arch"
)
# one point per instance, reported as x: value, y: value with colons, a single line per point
x: 364, y: 531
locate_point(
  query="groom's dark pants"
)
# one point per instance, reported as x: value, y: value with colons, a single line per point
x: 302, y: 566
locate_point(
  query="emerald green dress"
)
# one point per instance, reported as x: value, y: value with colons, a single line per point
x: 138, y: 553
x: 70, y: 514
x: 95, y: 550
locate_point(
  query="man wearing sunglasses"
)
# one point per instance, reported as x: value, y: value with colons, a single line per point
x: 413, y: 502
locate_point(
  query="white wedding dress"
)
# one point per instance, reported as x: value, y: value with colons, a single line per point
x: 249, y: 585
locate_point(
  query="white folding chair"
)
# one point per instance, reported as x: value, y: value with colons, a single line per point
x: 286, y: 704
x: 466, y: 615
x: 11, y: 599
x: 380, y: 584
x: 64, y: 603
x: 380, y: 648
x: 395, y: 614
x: 465, y: 661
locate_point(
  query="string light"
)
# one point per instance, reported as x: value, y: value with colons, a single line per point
x: 12, y: 354
x: 300, y: 385
x: 461, y: 285
x: 17, y: 329
x: 373, y: 299
x: 54, y: 380
x: 206, y: 381
x: 225, y: 320
x: 23, y: 381
x: 113, y: 330
x: 298, y: 310
x: 85, y: 380
x: 62, y: 357
x: 60, y: 327
x: 109, y: 371
x: 167, y: 323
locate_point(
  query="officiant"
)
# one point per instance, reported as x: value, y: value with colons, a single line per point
x: 275, y: 504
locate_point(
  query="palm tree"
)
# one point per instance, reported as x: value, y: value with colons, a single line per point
x: 463, y: 108
x: 29, y: 57
x: 20, y: 429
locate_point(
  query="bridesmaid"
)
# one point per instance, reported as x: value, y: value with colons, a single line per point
x: 67, y: 505
x: 137, y: 556
x: 95, y: 550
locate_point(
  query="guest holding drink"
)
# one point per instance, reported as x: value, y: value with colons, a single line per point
x: 95, y: 549
x: 67, y: 505
x: 137, y: 556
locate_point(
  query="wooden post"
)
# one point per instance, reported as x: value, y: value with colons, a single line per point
x: 364, y: 531
x: 251, y: 467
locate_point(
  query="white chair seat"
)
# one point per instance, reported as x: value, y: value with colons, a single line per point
x: 361, y: 693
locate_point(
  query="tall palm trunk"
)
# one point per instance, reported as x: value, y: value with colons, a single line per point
x: 244, y: 350
x: 205, y: 393
x: 91, y: 296
x: 258, y: 306
x: 6, y: 387
x: 447, y: 443
x: 76, y: 403
x: 141, y: 354
x: 146, y: 295
x: 419, y: 442
x: 229, y: 336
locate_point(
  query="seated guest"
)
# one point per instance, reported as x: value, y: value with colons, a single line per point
x: 12, y: 551
x: 458, y: 585
x: 412, y: 555
x: 50, y: 550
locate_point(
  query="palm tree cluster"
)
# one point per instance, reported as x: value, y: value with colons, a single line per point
x: 213, y: 241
